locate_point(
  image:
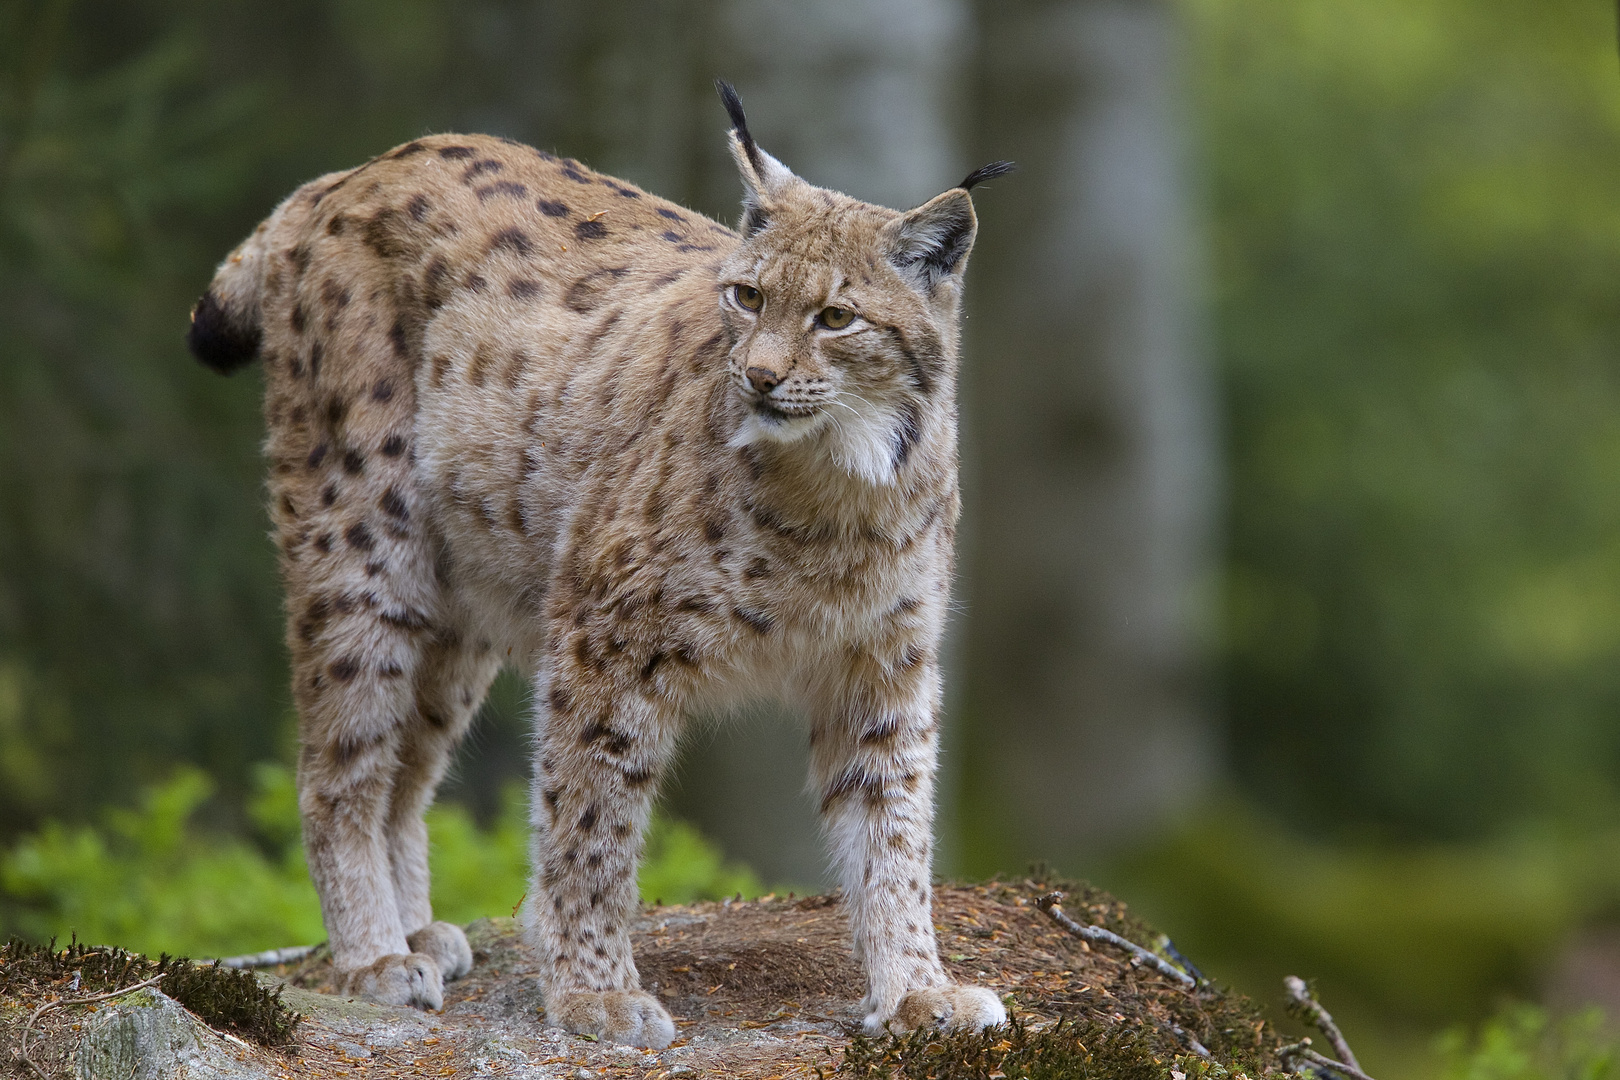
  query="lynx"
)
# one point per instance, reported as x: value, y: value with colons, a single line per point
x: 523, y: 413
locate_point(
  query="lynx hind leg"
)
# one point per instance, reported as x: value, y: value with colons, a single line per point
x: 451, y: 684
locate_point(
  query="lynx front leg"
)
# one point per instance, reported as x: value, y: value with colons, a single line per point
x: 599, y: 757
x: 873, y: 759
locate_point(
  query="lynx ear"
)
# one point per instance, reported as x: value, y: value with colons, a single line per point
x: 931, y: 243
x: 763, y: 176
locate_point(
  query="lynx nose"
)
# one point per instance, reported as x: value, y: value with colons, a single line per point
x: 763, y: 379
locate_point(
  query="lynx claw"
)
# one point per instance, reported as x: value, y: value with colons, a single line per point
x: 952, y: 1007
x: 633, y: 1017
x: 398, y: 979
x: 447, y: 944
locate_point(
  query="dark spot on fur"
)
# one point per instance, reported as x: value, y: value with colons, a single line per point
x: 345, y: 669
x: 502, y: 187
x: 317, y: 454
x: 335, y: 226
x: 354, y: 462
x: 478, y: 370
x: 652, y: 664
x: 372, y: 570
x: 759, y: 568
x: 627, y: 193
x: 672, y: 237
x: 412, y: 147
x: 587, y: 820
x: 359, y: 537
x: 551, y: 795
x: 588, y: 292
x: 881, y: 731
x: 334, y: 294
x: 559, y: 700
x: 514, y: 240
x: 664, y: 211
x: 393, y: 505
x: 383, y: 390
x: 383, y: 233
x: 418, y: 207
x: 296, y: 318
x: 393, y: 446
x: 455, y: 153
x: 590, y: 230
x: 397, y: 338
x: 714, y: 531
x: 329, y: 495
x: 476, y: 282
x: 323, y: 542
x: 479, y: 167
x: 433, y: 283
x: 523, y: 289
x: 552, y: 209
x: 571, y: 168
x: 757, y: 621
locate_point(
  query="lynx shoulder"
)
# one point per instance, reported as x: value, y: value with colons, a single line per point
x: 522, y: 413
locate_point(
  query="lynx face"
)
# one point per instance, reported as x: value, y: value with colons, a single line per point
x: 524, y: 414
x: 843, y: 313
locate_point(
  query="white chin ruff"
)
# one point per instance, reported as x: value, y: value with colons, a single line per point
x: 858, y: 435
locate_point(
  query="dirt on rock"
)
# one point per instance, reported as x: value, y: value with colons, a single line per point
x: 759, y: 989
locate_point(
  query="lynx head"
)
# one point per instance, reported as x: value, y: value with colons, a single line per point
x: 844, y: 313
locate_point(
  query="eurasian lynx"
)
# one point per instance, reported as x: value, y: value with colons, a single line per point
x: 523, y: 413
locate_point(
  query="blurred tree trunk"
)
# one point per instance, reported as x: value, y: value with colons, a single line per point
x: 1087, y: 411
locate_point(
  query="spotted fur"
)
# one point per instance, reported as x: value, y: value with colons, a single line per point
x: 517, y: 415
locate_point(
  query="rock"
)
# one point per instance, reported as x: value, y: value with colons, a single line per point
x: 147, y: 1035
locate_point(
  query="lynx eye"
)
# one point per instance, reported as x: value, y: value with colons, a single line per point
x: 836, y: 318
x: 749, y: 297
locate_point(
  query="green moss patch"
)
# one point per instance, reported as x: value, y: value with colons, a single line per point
x: 223, y: 998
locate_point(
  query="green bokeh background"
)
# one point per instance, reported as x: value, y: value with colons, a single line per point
x: 1411, y: 210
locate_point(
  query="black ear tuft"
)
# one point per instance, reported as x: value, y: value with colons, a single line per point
x: 220, y: 341
x: 987, y: 172
x: 739, y: 122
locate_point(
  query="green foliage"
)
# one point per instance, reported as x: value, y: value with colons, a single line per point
x: 1422, y: 934
x: 1524, y: 1043
x: 1416, y: 239
x: 150, y: 879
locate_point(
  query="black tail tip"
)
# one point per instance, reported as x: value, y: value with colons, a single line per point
x: 986, y: 172
x: 218, y: 341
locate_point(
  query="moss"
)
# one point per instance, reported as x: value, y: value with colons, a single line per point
x: 223, y: 998
x: 1084, y: 1050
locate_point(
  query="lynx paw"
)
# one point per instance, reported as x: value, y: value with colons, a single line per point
x: 446, y: 943
x: 398, y: 979
x: 952, y: 1007
x: 622, y: 1016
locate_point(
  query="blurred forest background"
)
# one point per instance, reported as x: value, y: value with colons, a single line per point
x: 1290, y: 592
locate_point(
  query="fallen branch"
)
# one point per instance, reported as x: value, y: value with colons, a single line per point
x: 1302, y: 1050
x: 1052, y: 904
x: 269, y: 958
x: 22, y: 1040
x: 1311, y: 1009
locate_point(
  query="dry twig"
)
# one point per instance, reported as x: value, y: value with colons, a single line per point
x: 1300, y: 994
x: 22, y: 1040
x: 1052, y: 904
x: 1302, y: 1050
